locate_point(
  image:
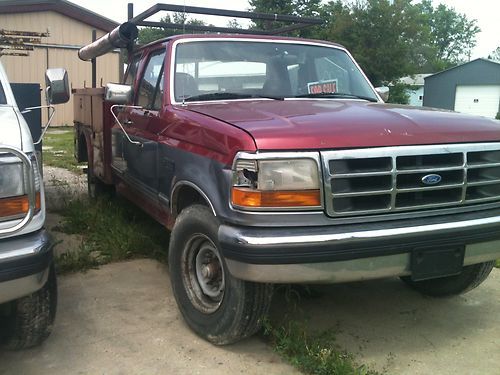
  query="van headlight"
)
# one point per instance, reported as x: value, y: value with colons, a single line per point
x: 276, y: 183
x: 14, y: 188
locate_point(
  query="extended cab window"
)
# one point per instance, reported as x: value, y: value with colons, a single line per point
x: 151, y: 85
x: 132, y: 69
x: 222, y: 70
x: 3, y: 99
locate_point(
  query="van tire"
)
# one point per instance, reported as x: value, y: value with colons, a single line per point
x: 31, y: 318
x: 217, y: 306
x: 471, y: 277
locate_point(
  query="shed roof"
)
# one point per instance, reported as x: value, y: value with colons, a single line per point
x: 415, y: 80
x: 60, y: 6
x: 481, y: 59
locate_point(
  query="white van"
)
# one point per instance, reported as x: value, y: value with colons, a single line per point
x: 28, y: 289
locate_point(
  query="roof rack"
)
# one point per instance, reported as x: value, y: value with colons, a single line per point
x: 295, y: 22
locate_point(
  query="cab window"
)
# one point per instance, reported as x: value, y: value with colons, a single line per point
x: 151, y: 84
x: 132, y: 69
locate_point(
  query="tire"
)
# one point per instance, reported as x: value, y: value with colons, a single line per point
x: 217, y: 306
x: 31, y: 318
x: 471, y: 277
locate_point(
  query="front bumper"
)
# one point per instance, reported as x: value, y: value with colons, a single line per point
x: 350, y: 253
x: 24, y: 264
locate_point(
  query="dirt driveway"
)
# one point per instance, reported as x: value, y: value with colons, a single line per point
x: 122, y: 319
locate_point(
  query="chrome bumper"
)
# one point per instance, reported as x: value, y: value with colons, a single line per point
x: 24, y: 264
x: 313, y: 255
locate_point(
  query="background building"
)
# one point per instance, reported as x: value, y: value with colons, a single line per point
x: 473, y: 88
x: 416, y: 92
x: 70, y: 27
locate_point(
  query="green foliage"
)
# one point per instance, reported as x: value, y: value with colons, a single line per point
x: 452, y: 35
x: 58, y: 148
x: 495, y: 55
x: 312, y: 353
x: 112, y: 230
x: 399, y: 94
x: 150, y: 34
x: 497, y: 264
x: 390, y: 39
x: 303, y: 8
x: 498, y: 116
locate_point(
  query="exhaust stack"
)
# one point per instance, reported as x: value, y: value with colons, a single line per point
x: 121, y: 37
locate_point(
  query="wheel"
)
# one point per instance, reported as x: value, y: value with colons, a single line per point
x: 469, y: 279
x: 217, y: 306
x: 95, y: 187
x: 30, y: 319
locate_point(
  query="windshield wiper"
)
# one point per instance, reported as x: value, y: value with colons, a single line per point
x: 229, y: 95
x: 336, y: 95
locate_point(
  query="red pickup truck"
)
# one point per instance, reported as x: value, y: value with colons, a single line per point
x: 274, y: 160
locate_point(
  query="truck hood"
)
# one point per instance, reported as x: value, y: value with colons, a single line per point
x: 325, y: 124
x: 10, y: 130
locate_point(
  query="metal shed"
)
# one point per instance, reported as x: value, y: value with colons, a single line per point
x: 70, y: 27
x: 473, y: 88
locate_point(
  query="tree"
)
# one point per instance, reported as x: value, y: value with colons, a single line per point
x: 150, y: 34
x: 302, y: 8
x: 495, y: 55
x: 381, y: 35
x: 452, y: 35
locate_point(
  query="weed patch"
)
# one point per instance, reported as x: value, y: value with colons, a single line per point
x: 313, y: 353
x: 112, y: 230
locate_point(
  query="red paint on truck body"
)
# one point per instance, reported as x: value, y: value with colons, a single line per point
x: 336, y: 124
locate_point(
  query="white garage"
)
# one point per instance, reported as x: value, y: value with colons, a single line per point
x: 481, y: 100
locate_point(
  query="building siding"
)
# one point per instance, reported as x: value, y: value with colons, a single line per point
x: 64, y: 32
x: 440, y: 88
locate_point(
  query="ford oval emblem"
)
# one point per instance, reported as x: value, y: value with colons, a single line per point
x: 431, y: 179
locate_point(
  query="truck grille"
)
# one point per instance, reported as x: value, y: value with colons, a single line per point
x: 396, y: 179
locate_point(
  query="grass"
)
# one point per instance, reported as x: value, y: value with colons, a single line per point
x: 113, y: 230
x: 58, y: 148
x: 497, y: 264
x: 312, y: 353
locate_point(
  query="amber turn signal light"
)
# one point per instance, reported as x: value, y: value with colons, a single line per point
x: 15, y: 206
x: 244, y: 197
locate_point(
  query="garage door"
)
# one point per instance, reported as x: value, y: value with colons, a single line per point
x: 478, y: 100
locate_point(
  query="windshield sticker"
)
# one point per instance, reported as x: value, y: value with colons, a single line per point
x: 322, y: 87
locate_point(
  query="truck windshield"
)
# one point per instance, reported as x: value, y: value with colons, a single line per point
x: 223, y: 70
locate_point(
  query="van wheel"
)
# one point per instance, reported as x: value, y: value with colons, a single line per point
x: 471, y: 277
x: 217, y: 306
x: 31, y: 318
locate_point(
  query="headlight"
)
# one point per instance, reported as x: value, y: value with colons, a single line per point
x: 13, y: 186
x: 11, y: 177
x: 280, y: 183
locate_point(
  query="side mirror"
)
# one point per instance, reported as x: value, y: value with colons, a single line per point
x: 57, y: 84
x: 383, y: 92
x: 118, y: 94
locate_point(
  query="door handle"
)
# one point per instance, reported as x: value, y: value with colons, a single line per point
x: 128, y: 122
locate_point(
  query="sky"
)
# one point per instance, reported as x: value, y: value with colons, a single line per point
x: 484, y: 11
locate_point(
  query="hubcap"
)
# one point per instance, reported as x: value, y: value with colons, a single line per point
x: 203, y: 273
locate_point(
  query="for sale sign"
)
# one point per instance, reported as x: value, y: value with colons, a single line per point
x: 322, y: 87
